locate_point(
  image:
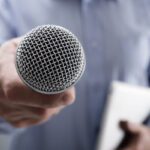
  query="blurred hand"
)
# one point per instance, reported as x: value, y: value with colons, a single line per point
x: 19, y: 105
x: 138, y: 136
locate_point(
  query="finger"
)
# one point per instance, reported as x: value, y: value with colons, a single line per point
x: 20, y: 116
x: 130, y: 127
x: 17, y: 112
x: 24, y: 113
x: 26, y: 121
x: 19, y: 93
x: 40, y: 112
x: 29, y: 112
x: 23, y: 123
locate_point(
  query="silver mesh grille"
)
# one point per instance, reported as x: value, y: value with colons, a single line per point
x: 50, y: 59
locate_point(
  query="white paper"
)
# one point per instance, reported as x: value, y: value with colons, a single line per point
x: 125, y: 102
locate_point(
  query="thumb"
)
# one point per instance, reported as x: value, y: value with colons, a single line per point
x: 130, y: 127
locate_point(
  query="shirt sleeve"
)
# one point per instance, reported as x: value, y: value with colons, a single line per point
x: 6, y: 128
x: 7, y: 21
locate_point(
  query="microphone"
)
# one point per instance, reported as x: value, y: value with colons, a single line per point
x: 50, y: 59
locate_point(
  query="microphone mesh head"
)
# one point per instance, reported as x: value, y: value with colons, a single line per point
x: 50, y: 59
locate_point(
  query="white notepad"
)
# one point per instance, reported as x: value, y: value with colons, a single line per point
x: 125, y: 102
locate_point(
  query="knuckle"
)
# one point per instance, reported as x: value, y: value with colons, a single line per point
x: 42, y: 113
x: 39, y: 113
x: 9, y: 88
x: 69, y: 97
x: 45, y: 104
x: 50, y: 101
x: 45, y: 114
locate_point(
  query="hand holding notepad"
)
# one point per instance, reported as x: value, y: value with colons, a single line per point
x: 125, y: 102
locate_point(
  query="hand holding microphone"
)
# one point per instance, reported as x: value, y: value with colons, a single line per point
x: 49, y: 61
